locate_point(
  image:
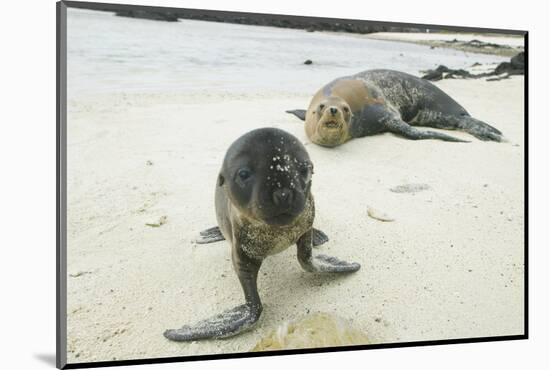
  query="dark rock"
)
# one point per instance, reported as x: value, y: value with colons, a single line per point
x: 308, y: 62
x: 503, y: 67
x: 437, y: 74
x: 273, y: 20
x: 516, y: 66
x: 518, y: 61
x: 433, y: 76
x: 143, y: 14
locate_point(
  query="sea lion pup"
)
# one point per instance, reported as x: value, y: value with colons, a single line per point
x: 263, y: 206
x: 377, y: 101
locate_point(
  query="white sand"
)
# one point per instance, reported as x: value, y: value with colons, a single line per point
x: 449, y: 266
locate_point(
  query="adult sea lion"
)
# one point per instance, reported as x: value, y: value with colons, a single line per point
x: 263, y: 206
x: 377, y: 101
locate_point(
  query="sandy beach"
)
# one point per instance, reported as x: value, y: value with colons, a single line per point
x: 449, y: 266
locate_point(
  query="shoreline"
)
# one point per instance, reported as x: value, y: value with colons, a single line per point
x: 500, y: 45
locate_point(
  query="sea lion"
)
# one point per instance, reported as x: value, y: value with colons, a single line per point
x: 377, y: 101
x: 263, y: 206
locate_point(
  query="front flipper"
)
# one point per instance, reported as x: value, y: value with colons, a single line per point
x: 402, y: 128
x: 320, y: 263
x: 210, y: 235
x: 226, y: 324
x: 319, y: 237
x: 214, y: 234
x: 235, y: 320
x: 300, y: 113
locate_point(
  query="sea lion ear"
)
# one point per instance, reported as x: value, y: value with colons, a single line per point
x: 221, y: 180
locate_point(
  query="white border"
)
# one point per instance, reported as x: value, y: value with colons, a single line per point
x: 28, y: 182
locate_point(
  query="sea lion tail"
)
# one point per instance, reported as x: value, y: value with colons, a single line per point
x: 300, y: 113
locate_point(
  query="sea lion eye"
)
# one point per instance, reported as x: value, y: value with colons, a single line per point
x: 321, y: 107
x: 306, y: 171
x: 346, y: 109
x: 244, y: 173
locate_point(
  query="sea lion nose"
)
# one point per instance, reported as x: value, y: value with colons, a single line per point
x: 333, y: 110
x: 282, y: 196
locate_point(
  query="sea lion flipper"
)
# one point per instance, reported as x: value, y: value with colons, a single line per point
x: 300, y: 113
x: 223, y: 325
x: 459, y: 121
x: 235, y: 320
x: 399, y: 127
x: 321, y: 263
x: 210, y: 235
x: 480, y: 129
x: 319, y: 237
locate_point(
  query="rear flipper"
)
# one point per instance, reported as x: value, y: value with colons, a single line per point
x: 214, y: 234
x: 300, y: 113
x: 464, y: 122
x: 226, y: 324
x: 210, y: 235
x: 480, y: 129
x: 399, y: 127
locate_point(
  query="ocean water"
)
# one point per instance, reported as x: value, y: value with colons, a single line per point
x: 107, y: 53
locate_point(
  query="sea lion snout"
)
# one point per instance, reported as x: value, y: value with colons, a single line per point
x: 283, y: 197
x: 333, y: 110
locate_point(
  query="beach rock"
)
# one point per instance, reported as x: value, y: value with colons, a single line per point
x: 478, y: 44
x: 433, y: 75
x: 308, y: 62
x: 445, y: 72
x: 516, y: 66
x: 518, y: 61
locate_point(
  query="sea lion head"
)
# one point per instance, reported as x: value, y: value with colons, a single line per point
x: 267, y: 176
x: 330, y: 122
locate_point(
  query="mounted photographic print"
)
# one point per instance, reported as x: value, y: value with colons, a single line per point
x: 236, y: 184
